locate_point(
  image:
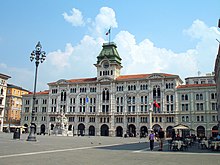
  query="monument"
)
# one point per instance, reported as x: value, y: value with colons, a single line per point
x: 61, y: 125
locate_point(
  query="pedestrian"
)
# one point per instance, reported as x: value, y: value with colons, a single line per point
x: 151, y: 138
x: 173, y: 135
x: 161, y: 138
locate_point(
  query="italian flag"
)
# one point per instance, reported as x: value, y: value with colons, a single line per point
x: 108, y: 32
x: 156, y: 104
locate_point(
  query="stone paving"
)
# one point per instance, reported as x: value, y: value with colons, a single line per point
x: 54, y: 150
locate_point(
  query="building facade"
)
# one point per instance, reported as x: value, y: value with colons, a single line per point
x: 13, y: 104
x: 217, y: 79
x: 3, y: 89
x: 112, y: 104
x: 40, y: 120
x: 197, y: 105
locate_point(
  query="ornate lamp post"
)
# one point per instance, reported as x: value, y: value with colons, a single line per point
x: 39, y: 56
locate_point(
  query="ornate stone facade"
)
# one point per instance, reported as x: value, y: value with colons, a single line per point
x: 112, y: 104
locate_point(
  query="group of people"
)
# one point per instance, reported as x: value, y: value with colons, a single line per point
x: 159, y: 136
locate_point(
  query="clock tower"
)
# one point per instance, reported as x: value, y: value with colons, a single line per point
x: 108, y: 62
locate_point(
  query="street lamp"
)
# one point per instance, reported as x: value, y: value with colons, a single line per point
x: 39, y: 56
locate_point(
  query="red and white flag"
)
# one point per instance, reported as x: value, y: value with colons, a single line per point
x: 156, y: 104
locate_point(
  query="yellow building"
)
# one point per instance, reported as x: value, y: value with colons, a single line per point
x: 13, y: 104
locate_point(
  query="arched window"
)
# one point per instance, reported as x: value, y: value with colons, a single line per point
x: 183, y: 118
x: 172, y: 85
x: 63, y: 95
x: 167, y: 98
x: 171, y: 98
x: 158, y: 92
x: 212, y: 96
x: 154, y: 92
x: 105, y: 94
x: 187, y: 118
x: 186, y: 97
x: 197, y: 96
x: 201, y: 96
x: 182, y: 97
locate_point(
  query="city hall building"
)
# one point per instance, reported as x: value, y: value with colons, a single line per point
x: 112, y: 104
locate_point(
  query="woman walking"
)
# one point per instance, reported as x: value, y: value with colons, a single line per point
x: 151, y: 138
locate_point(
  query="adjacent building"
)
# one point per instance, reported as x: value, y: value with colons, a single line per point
x: 217, y: 79
x: 3, y: 89
x: 41, y: 119
x: 13, y: 104
x: 112, y: 104
x: 197, y: 105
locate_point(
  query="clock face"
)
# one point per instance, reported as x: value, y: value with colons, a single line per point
x: 106, y: 64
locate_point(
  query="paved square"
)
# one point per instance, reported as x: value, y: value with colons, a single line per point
x: 54, y: 150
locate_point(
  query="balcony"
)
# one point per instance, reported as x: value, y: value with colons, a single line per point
x: 104, y: 113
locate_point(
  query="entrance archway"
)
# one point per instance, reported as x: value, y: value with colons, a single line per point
x: 119, y: 131
x: 81, y: 129
x: 131, y: 130
x: 214, y: 131
x: 70, y: 128
x: 200, y: 131
x: 91, y: 130
x: 42, y: 129
x: 143, y: 131
x: 104, y: 130
x: 156, y: 127
x: 169, y: 131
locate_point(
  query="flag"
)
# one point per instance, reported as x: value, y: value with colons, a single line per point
x: 156, y: 104
x: 108, y: 32
x: 87, y: 99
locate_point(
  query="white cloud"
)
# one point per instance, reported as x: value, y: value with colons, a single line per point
x: 206, y: 48
x: 76, y: 18
x: 103, y: 21
x: 60, y: 59
x: 146, y: 58
x: 77, y: 61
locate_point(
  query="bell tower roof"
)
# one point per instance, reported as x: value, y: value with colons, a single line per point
x: 109, y: 51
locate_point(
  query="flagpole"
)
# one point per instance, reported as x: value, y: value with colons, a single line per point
x: 150, y: 115
x: 109, y: 35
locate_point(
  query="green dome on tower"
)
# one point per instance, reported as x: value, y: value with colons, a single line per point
x: 109, y: 50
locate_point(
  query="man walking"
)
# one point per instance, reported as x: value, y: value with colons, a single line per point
x: 161, y: 138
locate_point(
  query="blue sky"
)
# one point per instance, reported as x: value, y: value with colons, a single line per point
x: 177, y: 37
